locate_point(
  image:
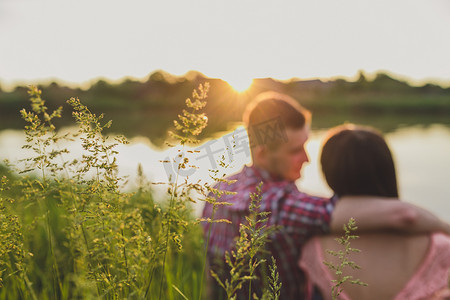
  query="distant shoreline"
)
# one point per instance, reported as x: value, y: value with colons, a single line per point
x: 147, y: 108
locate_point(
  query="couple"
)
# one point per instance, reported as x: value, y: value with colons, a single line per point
x: 277, y: 162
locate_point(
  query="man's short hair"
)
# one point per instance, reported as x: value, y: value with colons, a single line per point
x: 270, y: 114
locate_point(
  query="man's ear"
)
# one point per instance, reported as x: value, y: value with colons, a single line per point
x: 260, y: 155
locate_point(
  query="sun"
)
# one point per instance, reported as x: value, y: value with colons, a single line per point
x: 240, y: 85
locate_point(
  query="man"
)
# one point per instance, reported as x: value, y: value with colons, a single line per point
x: 278, y: 128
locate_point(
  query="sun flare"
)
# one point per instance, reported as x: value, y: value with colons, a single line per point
x: 240, y: 85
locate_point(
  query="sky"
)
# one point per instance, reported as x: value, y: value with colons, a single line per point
x: 80, y: 41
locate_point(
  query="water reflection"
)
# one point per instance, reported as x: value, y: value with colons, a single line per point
x: 421, y: 156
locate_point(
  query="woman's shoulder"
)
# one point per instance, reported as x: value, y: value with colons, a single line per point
x: 440, y: 245
x: 311, y: 254
x: 440, y: 238
x: 433, y: 274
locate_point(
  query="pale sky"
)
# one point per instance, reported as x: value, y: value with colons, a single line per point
x: 81, y: 40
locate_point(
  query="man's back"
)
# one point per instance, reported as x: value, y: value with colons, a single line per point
x: 298, y: 215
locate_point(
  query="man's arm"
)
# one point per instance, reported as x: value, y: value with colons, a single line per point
x: 385, y: 214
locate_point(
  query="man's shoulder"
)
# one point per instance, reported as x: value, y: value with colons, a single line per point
x: 245, y: 177
x: 236, y: 176
x: 293, y: 192
x: 299, y: 202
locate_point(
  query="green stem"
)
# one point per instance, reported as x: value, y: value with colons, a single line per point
x: 83, y: 230
x: 55, y: 262
x: 172, y: 200
x: 28, y: 285
x: 125, y: 257
x: 150, y: 281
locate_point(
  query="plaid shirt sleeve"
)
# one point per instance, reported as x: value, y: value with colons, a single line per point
x: 298, y: 213
x: 299, y: 216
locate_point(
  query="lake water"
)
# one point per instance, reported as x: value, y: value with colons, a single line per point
x: 421, y: 154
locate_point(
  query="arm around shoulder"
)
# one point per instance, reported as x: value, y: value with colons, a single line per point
x: 372, y: 214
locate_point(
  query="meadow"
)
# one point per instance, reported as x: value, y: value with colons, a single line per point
x: 69, y: 231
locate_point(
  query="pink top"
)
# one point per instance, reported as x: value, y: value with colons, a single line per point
x: 431, y: 276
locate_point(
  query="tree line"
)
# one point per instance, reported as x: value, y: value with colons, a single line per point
x: 147, y: 107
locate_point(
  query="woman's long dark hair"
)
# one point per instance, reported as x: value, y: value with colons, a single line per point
x: 357, y: 161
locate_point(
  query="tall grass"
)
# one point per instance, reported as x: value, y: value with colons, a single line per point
x: 246, y: 259
x: 69, y: 231
x: 344, y: 261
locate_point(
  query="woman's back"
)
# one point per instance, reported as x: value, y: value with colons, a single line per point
x: 387, y: 261
x: 356, y: 161
x: 394, y: 266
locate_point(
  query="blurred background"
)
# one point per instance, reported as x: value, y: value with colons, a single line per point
x: 382, y: 63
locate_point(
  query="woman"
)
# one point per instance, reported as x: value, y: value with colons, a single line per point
x: 357, y: 162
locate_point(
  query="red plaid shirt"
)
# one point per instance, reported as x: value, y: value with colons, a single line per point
x: 299, y: 216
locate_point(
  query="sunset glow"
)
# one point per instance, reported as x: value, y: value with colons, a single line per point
x: 240, y: 85
x: 292, y: 39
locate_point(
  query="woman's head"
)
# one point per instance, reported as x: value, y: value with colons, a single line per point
x: 357, y: 161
